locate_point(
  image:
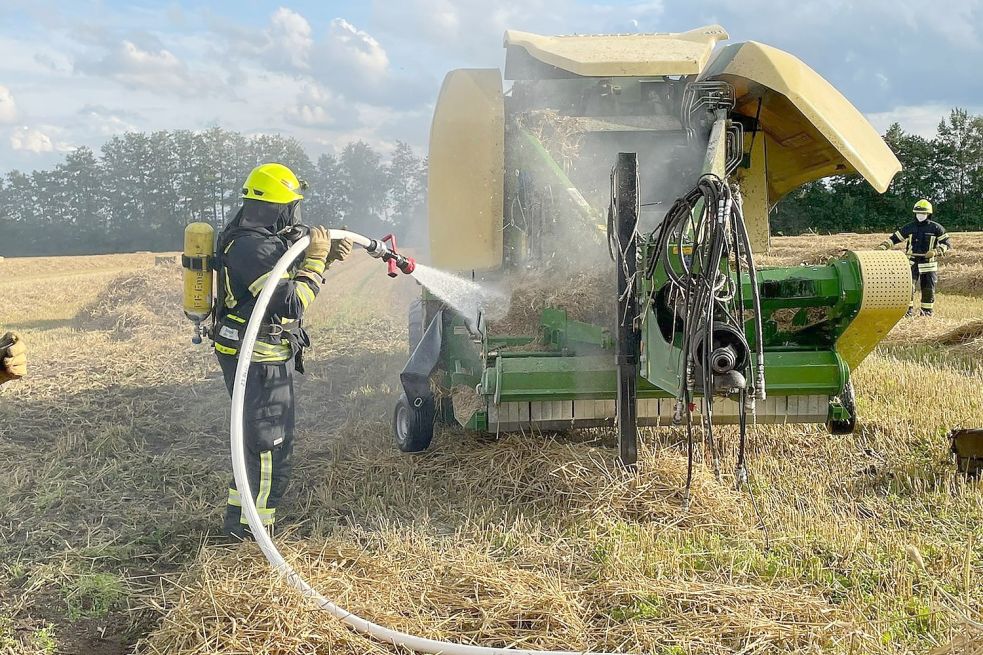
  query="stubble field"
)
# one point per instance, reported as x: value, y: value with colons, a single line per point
x: 115, y: 455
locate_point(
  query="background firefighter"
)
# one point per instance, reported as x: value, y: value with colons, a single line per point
x: 246, y: 252
x: 925, y: 241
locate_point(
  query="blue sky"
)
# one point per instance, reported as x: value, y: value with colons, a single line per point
x: 327, y: 72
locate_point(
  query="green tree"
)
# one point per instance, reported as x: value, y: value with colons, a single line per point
x: 363, y: 183
x: 329, y: 203
x: 959, y: 157
x: 406, y: 181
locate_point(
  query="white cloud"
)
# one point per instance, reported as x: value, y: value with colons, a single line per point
x: 356, y: 66
x: 355, y: 50
x: 8, y: 108
x: 31, y: 140
x: 315, y: 106
x: 153, y: 68
x: 284, y: 44
x: 140, y: 67
x: 373, y: 73
x: 290, y: 33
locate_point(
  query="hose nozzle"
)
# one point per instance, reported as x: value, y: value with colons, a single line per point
x: 406, y: 264
x: 387, y: 253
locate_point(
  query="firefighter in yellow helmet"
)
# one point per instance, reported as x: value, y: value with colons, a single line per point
x: 247, y: 250
x: 13, y: 357
x: 925, y: 242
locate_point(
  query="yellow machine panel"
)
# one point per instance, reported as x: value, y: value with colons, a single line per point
x: 754, y: 191
x: 623, y: 55
x: 198, y: 250
x: 467, y: 172
x: 886, y: 279
x: 812, y: 131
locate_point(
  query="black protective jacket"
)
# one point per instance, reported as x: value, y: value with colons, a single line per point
x: 920, y: 237
x: 247, y: 251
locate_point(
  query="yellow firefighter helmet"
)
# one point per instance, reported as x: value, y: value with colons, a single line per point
x: 273, y: 183
x: 923, y: 207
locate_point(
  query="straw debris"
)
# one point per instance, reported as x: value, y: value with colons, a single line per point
x: 144, y: 300
x: 588, y: 295
x: 466, y: 402
x: 562, y: 136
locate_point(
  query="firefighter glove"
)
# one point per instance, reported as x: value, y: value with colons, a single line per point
x: 320, y: 244
x: 14, y: 357
x: 340, y: 249
x: 884, y: 245
x: 932, y: 254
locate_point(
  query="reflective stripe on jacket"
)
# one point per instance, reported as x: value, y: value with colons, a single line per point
x: 248, y: 257
x: 920, y: 237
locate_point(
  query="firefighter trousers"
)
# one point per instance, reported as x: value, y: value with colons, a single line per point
x: 268, y: 434
x: 926, y: 281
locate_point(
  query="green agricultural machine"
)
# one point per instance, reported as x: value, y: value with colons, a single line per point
x: 651, y: 161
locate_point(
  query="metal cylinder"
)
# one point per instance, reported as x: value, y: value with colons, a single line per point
x: 723, y: 360
x: 198, y: 249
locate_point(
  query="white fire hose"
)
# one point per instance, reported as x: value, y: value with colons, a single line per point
x: 276, y: 560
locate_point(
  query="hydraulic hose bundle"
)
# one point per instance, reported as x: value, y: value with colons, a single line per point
x: 709, y: 301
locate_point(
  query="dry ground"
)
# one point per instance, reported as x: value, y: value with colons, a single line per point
x: 115, y: 463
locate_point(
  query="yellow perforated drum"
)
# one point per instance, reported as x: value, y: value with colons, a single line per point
x: 886, y: 277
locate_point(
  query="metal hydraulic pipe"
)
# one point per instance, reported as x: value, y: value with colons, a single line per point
x: 419, y: 644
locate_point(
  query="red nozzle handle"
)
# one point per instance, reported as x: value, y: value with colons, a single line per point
x: 395, y: 261
x: 391, y: 263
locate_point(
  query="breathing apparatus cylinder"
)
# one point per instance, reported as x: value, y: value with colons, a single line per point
x: 199, y: 245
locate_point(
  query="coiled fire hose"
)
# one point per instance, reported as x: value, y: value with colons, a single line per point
x: 276, y: 560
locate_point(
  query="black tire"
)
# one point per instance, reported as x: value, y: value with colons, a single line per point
x: 413, y: 425
x: 414, y: 324
x: 849, y: 401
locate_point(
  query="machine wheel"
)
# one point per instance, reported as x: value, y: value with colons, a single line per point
x: 413, y: 425
x: 846, y: 426
x: 415, y: 324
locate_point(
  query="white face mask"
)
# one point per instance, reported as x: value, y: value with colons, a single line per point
x: 921, y: 217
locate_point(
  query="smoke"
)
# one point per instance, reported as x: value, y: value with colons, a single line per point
x: 563, y: 138
x: 583, y: 125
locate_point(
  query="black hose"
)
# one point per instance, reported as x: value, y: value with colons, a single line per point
x: 720, y: 248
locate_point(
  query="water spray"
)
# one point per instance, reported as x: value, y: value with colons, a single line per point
x: 378, y: 249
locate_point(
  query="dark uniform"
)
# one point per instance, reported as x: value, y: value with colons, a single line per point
x: 248, y: 250
x: 921, y: 237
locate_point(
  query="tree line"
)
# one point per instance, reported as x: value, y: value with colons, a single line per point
x: 947, y: 169
x: 142, y: 189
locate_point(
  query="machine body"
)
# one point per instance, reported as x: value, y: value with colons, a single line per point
x: 591, y: 152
